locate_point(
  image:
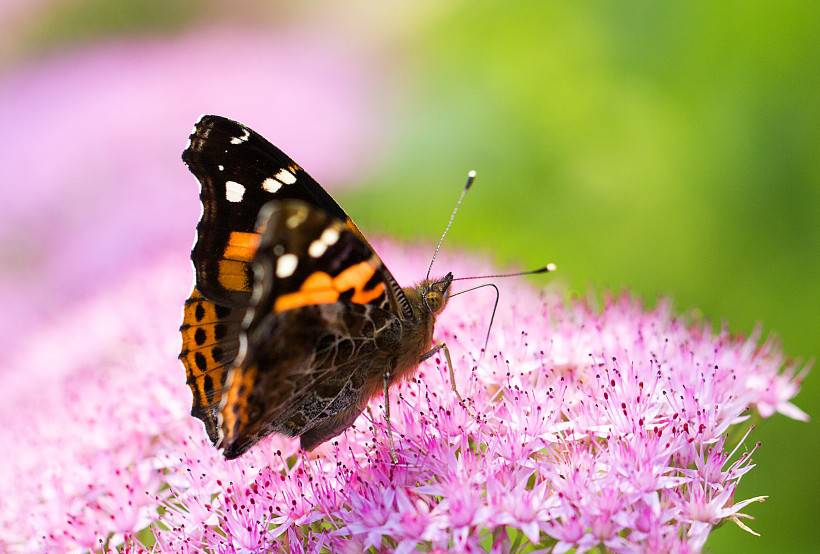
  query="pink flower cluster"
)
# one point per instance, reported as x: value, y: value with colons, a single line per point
x: 615, y: 427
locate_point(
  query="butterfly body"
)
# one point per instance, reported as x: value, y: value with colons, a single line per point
x: 294, y: 322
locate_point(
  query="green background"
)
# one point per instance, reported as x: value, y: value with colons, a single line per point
x: 667, y: 149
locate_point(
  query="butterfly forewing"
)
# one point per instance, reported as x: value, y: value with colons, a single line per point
x: 239, y: 171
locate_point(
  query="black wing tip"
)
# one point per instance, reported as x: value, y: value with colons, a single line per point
x: 204, y: 118
x: 211, y: 121
x: 203, y: 127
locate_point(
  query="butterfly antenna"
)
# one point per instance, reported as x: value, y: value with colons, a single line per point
x: 495, y: 306
x: 546, y: 269
x: 549, y: 268
x: 470, y: 178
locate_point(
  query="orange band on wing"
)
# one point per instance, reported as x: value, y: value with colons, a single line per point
x: 235, y: 405
x: 241, y: 246
x: 317, y: 281
x: 354, y: 277
x: 307, y: 298
x: 321, y: 288
x: 365, y: 296
x: 233, y: 275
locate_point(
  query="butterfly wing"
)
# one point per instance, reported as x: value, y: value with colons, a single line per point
x: 310, y: 377
x: 239, y: 171
x: 210, y: 342
x: 320, y: 326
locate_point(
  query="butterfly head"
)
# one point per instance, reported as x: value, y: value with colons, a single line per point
x: 435, y: 293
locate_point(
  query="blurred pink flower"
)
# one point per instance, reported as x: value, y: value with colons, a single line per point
x: 91, y: 163
x: 583, y: 428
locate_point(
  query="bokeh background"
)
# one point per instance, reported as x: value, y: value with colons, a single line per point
x: 670, y: 150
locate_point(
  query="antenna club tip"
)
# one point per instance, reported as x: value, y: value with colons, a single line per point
x: 471, y: 175
x: 551, y: 267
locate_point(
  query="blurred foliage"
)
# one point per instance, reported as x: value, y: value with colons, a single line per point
x: 668, y: 149
x: 68, y: 22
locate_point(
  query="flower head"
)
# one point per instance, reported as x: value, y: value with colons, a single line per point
x: 580, y: 428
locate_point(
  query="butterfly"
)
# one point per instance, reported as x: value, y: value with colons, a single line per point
x: 294, y: 322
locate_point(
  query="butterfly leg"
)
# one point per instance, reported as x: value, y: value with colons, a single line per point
x: 387, y: 417
x: 432, y: 352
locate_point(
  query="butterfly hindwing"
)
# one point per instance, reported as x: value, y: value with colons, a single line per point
x: 321, y: 320
x: 239, y: 171
x: 210, y: 342
x: 309, y: 374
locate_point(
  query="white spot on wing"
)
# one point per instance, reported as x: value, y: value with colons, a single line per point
x: 330, y: 236
x: 286, y: 176
x: 286, y: 265
x: 271, y: 185
x: 234, y: 191
x: 317, y: 248
x: 296, y: 219
x: 239, y: 140
x: 221, y: 167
